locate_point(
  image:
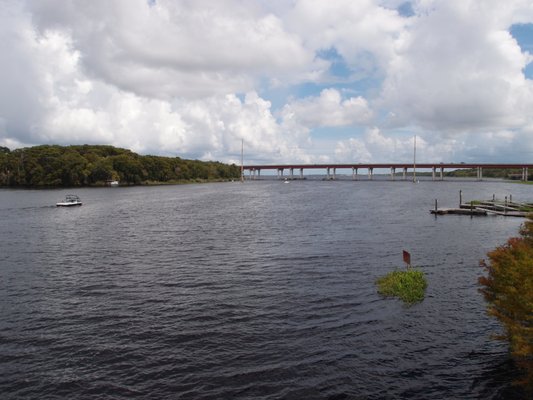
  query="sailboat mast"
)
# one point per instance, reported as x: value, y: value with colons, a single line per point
x: 414, y: 161
x: 242, y: 160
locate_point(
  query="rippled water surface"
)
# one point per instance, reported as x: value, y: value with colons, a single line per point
x: 261, y: 290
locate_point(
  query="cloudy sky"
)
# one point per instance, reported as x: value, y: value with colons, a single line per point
x: 299, y: 81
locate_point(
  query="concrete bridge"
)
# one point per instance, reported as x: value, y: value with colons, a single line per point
x: 331, y: 169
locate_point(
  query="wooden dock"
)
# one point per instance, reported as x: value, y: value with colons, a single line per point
x: 458, y: 211
x: 488, y: 207
x: 507, y: 209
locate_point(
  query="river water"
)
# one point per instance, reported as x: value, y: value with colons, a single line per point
x: 261, y: 290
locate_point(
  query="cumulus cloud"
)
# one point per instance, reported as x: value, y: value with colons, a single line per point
x: 179, y: 49
x: 352, y: 151
x: 194, y: 78
x: 457, y: 68
x: 328, y: 109
x: 375, y: 146
x: 362, y: 32
x: 53, y: 94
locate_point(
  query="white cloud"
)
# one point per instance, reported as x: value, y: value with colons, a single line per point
x: 363, y: 32
x: 179, y: 49
x: 193, y: 78
x: 458, y: 68
x: 375, y: 146
x: 329, y: 109
x: 352, y: 151
x: 65, y: 104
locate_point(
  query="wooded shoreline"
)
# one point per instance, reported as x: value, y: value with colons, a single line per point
x: 49, y: 166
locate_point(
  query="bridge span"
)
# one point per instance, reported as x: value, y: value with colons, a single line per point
x: 331, y: 169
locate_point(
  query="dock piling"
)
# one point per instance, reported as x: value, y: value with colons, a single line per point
x: 505, y: 209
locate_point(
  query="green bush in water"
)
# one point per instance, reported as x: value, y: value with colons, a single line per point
x: 409, y: 285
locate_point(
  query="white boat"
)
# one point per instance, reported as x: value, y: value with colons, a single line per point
x: 70, y: 200
x: 112, y: 183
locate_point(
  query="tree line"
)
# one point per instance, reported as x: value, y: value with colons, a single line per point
x: 94, y: 165
x: 502, y: 173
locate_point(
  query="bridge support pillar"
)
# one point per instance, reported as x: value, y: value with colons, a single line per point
x: 301, y: 173
x: 280, y: 173
x: 433, y: 173
x: 371, y: 173
x: 334, y: 173
x: 441, y: 173
x: 479, y: 173
x: 393, y: 173
x: 354, y: 173
x: 258, y: 173
x: 405, y: 173
x: 525, y: 174
x: 291, y: 171
x: 327, y: 173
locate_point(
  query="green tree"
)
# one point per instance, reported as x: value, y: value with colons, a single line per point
x: 129, y: 168
x: 53, y: 165
x: 73, y: 168
x: 101, y: 170
x: 508, y: 289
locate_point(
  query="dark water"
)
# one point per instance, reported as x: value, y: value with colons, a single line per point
x: 260, y: 290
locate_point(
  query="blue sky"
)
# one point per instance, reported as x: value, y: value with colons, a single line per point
x: 300, y: 81
x: 523, y: 33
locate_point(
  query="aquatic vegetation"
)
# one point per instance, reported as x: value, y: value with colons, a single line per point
x: 409, y: 285
x: 508, y: 290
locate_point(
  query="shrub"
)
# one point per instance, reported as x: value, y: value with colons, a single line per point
x: 508, y: 289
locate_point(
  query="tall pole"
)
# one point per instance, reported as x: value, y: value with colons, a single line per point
x: 242, y: 160
x: 414, y: 161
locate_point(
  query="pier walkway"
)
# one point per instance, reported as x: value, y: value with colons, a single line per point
x: 505, y: 207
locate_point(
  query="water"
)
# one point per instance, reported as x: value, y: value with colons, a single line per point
x: 260, y: 290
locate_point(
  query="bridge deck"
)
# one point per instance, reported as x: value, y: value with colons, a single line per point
x: 387, y: 165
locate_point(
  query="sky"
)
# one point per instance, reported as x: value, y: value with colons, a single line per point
x: 296, y: 81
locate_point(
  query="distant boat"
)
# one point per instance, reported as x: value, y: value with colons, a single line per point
x: 112, y: 183
x: 70, y: 200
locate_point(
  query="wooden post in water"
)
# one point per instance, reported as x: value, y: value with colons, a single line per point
x: 505, y: 209
x: 471, y: 208
x: 436, y: 208
x: 460, y: 198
